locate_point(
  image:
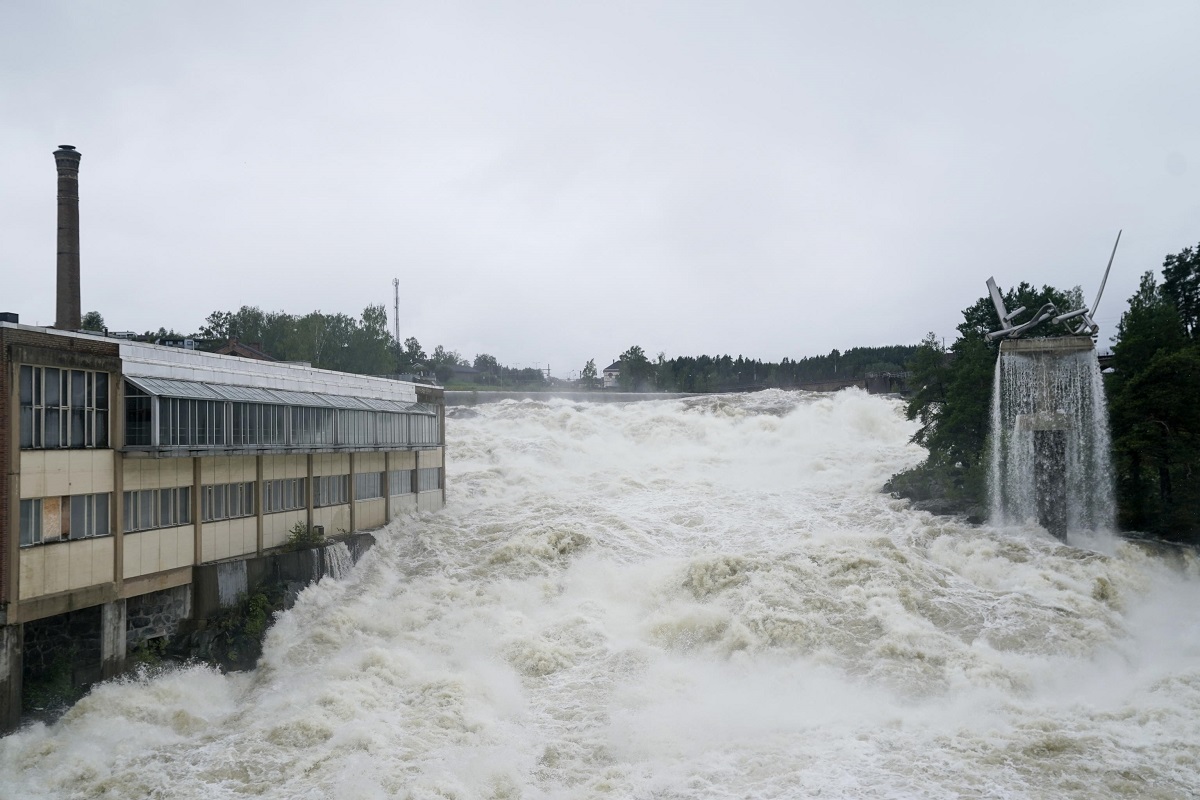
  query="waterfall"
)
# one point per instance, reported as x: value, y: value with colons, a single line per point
x: 333, y: 560
x: 1049, y: 445
x: 231, y: 582
x: 338, y: 560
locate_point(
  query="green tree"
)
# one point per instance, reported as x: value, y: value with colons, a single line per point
x: 93, y: 321
x: 1181, y: 283
x: 636, y: 370
x: 588, y: 377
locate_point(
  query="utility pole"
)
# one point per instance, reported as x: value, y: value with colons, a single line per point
x: 396, y: 288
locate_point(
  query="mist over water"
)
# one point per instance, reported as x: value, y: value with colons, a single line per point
x: 700, y: 598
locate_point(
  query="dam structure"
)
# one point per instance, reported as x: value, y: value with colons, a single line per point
x: 1049, y: 459
x: 134, y: 472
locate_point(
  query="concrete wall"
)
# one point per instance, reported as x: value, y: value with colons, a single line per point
x: 65, y: 566
x: 331, y: 464
x: 228, y: 469
x: 228, y: 538
x: 156, y: 473
x: 46, y: 473
x: 147, y: 552
x: 277, y: 526
x: 335, y: 519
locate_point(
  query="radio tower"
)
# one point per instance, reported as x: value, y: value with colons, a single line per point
x: 396, y: 288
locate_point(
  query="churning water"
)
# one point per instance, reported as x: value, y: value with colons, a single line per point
x: 1044, y: 395
x: 703, y: 598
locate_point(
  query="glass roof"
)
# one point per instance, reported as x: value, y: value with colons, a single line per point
x: 195, y: 390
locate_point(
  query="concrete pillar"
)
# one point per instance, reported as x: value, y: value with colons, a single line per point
x: 112, y: 638
x: 258, y: 503
x: 67, y: 316
x: 11, y: 665
x: 387, y: 487
x: 1050, y: 480
x: 310, y: 492
x: 197, y: 508
x: 353, y: 498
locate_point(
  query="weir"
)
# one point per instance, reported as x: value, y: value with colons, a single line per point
x: 1049, y: 436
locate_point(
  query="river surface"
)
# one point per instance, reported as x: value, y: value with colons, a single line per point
x: 699, y: 598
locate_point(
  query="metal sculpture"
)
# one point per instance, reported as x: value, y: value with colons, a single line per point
x: 1079, y: 322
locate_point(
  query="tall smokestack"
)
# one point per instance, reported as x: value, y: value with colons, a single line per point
x: 67, y: 316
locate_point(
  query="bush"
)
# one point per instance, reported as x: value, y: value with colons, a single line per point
x: 302, y: 537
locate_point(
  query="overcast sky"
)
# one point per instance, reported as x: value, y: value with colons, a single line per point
x: 553, y: 182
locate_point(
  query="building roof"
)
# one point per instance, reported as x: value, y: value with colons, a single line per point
x: 613, y: 367
x: 244, y: 349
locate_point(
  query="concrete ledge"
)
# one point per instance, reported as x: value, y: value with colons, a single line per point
x: 145, y: 584
x: 217, y: 585
x: 471, y: 398
x: 52, y: 605
x: 1051, y: 344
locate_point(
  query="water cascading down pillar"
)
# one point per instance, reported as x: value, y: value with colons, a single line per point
x: 1049, y: 435
x: 67, y: 313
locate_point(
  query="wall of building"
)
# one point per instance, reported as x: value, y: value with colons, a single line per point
x: 129, y: 586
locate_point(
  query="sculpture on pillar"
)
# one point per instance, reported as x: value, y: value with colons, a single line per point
x: 1049, y: 444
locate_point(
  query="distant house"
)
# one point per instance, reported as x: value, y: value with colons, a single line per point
x: 612, y: 375
x: 245, y: 350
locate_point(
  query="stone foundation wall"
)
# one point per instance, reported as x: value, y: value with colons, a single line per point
x: 74, y: 636
x: 157, y: 614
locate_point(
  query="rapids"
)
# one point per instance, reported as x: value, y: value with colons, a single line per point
x: 699, y: 598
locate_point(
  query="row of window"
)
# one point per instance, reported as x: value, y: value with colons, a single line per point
x: 219, y: 423
x: 48, y: 519
x: 63, y: 408
x: 79, y: 516
x: 285, y: 494
x: 147, y: 509
x: 226, y: 501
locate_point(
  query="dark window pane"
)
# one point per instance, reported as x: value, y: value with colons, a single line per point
x: 52, y: 431
x: 77, y: 426
x: 102, y: 390
x: 26, y: 427
x: 26, y: 386
x: 53, y: 393
x: 78, y: 389
x: 101, y: 515
x: 78, y: 516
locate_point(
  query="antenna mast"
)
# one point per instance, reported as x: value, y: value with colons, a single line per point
x: 396, y: 288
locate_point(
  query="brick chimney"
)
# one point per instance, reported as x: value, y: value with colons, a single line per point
x: 67, y: 314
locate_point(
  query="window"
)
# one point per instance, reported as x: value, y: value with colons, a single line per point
x: 31, y: 522
x: 227, y: 501
x: 147, y: 509
x: 428, y: 479
x: 88, y: 515
x: 138, y: 425
x: 191, y: 423
x: 63, y: 408
x: 331, y: 490
x: 424, y: 429
x: 368, y: 485
x: 284, y: 494
x: 400, y: 481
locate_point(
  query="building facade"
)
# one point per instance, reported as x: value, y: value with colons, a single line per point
x: 127, y: 465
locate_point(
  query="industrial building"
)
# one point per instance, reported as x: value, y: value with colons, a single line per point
x: 127, y: 466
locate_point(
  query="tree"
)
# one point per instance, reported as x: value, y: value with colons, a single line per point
x: 93, y: 321
x: 588, y: 378
x: 636, y: 370
x: 411, y: 356
x: 1181, y: 283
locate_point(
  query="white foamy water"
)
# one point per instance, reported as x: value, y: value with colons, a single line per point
x: 678, y: 599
